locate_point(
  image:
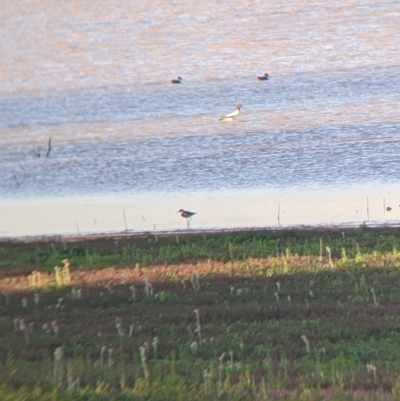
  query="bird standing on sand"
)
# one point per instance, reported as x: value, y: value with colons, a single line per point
x: 231, y: 116
x: 263, y: 77
x: 177, y: 81
x: 186, y: 215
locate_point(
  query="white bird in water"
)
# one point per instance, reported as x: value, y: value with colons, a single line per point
x: 233, y: 115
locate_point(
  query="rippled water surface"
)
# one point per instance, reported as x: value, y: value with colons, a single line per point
x: 95, y: 77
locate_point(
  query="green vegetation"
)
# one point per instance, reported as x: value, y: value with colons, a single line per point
x: 151, y: 249
x: 291, y: 315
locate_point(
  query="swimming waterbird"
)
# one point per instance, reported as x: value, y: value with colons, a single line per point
x: 263, y: 77
x: 177, y: 81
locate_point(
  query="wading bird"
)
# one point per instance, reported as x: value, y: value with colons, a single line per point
x: 263, y: 77
x: 186, y: 215
x: 231, y: 116
x: 177, y: 81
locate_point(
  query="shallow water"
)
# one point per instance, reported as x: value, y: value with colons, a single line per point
x: 154, y: 212
x: 96, y: 79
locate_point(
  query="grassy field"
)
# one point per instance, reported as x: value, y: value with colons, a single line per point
x: 263, y: 315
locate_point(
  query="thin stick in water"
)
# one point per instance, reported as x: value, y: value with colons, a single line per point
x: 48, y: 147
x: 367, y: 209
x: 126, y: 226
x: 279, y: 214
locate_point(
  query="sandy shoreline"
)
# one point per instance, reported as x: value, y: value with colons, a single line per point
x: 145, y: 235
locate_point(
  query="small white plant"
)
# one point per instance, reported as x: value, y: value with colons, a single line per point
x: 198, y: 326
x: 110, y: 360
x: 230, y: 362
x: 58, y: 276
x: 374, y: 297
x: 133, y: 294
x: 207, y: 377
x: 21, y: 324
x: 24, y: 329
x: 276, y: 295
x: 328, y: 249
x: 194, y: 347
x: 239, y: 292
x: 371, y: 369
x: 143, y: 358
x: 36, y: 299
x: 148, y: 288
x: 101, y: 357
x: 130, y: 331
x: 24, y: 302
x: 232, y: 290
x: 221, y: 360
x: 154, y: 344
x: 278, y: 286
x: 54, y: 327
x: 118, y: 326
x: 76, y: 294
x: 307, y: 343
x: 197, y: 330
x: 66, y: 272
x: 47, y: 328
x: 58, y: 371
x: 58, y: 305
